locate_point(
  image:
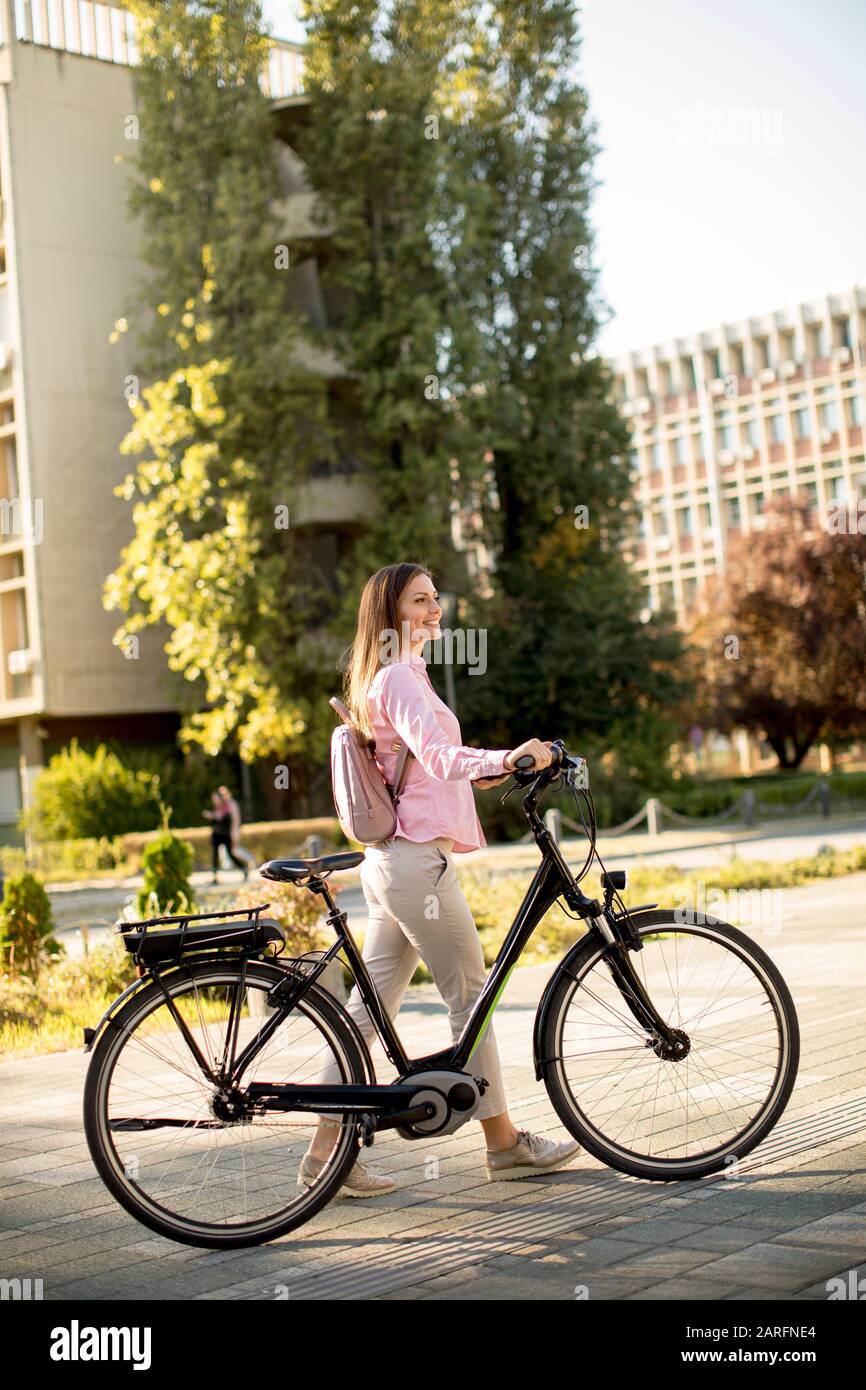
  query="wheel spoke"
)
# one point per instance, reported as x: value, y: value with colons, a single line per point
x: 647, y: 1107
x: 219, y: 1166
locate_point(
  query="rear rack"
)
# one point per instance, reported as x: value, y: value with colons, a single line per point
x: 252, y: 913
x: 186, y: 936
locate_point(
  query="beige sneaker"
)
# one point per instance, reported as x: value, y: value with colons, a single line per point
x: 531, y: 1155
x: 359, y: 1183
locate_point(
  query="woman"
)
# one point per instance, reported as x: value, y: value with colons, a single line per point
x: 391, y: 699
x: 223, y: 829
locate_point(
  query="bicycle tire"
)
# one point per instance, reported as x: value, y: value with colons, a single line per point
x: 565, y: 987
x: 109, y: 1047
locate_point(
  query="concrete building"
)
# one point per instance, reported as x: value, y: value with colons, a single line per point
x: 728, y: 418
x: 68, y: 255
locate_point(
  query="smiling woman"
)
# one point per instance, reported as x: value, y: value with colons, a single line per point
x: 417, y: 907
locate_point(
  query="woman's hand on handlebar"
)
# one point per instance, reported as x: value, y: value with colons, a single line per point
x: 535, y: 748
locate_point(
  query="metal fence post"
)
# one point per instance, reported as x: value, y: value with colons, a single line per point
x: 653, y: 816
x: 749, y: 807
x: 553, y: 823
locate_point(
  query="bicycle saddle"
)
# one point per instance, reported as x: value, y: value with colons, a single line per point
x: 290, y: 870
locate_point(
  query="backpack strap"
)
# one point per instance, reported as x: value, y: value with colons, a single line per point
x: 402, y: 761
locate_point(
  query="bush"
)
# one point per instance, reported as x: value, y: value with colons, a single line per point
x: 298, y: 911
x: 186, y: 780
x: 82, y: 795
x: 26, y: 926
x: 167, y: 864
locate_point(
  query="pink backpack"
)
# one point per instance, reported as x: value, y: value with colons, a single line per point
x: 364, y: 801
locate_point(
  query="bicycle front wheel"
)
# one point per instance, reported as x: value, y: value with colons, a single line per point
x: 616, y: 1088
x: 189, y: 1159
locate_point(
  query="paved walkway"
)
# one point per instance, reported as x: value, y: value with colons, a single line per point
x: 793, y: 1218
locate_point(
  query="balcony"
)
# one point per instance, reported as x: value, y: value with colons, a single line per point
x: 104, y: 29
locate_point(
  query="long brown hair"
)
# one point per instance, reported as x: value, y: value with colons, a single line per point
x: 377, y: 615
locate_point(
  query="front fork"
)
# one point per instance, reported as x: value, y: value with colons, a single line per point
x: 622, y: 938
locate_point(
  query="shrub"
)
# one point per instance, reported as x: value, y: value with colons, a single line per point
x: 167, y: 864
x: 82, y: 795
x: 186, y: 780
x: 298, y: 911
x: 26, y: 926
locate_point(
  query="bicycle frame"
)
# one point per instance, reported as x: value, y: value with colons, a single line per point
x: 553, y: 879
x: 387, y: 1106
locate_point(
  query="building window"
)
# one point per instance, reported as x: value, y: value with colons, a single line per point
x: 752, y: 435
x: 811, y: 490
x: 706, y: 514
x: 684, y: 520
x: 688, y: 371
x: 817, y: 340
x: 690, y: 588
x: 679, y: 449
x: 655, y: 456
x: 714, y: 363
x: 733, y: 507
x: 725, y: 437
x: 829, y: 415
x: 776, y: 426
x: 802, y: 423
x: 842, y: 331
x: 757, y: 503
x: 854, y: 413
x: 666, y: 379
x: 737, y: 360
x: 666, y: 594
x: 661, y: 524
x: 762, y: 353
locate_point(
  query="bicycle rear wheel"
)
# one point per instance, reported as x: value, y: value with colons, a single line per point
x: 189, y: 1163
x: 650, y: 1115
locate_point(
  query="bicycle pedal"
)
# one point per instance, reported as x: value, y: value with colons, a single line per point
x: 366, y: 1128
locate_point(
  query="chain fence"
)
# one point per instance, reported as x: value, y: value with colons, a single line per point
x: 747, y: 808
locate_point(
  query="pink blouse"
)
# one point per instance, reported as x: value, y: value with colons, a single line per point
x: 437, y: 798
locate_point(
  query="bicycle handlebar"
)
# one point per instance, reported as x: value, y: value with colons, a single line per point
x: 524, y: 770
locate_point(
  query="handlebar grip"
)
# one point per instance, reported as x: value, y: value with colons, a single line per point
x: 524, y: 762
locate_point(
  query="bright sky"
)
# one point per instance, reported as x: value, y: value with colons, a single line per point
x: 733, y: 152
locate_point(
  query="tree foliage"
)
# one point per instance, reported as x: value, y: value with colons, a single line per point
x: 780, y: 636
x: 451, y: 153
x: 231, y: 423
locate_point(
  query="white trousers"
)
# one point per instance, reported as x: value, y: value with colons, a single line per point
x: 417, y: 909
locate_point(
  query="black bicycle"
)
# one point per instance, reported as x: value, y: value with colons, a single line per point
x: 667, y: 1042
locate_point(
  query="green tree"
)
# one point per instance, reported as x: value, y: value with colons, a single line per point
x: 544, y: 449
x: 232, y: 421
x: 27, y: 941
x: 779, y: 637
x: 374, y: 156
